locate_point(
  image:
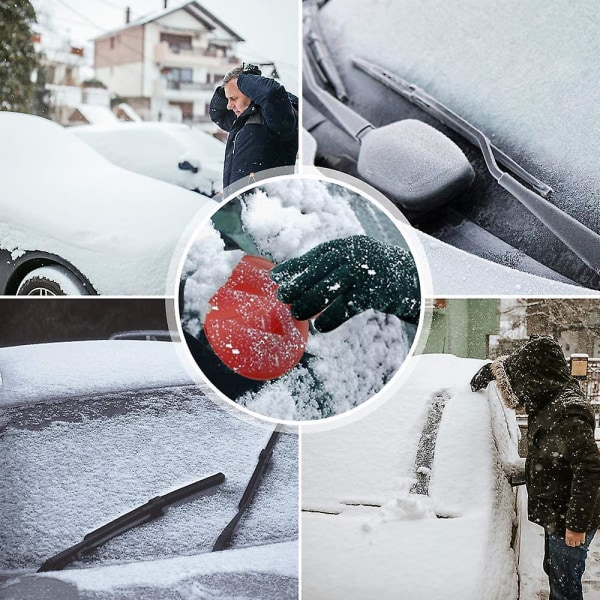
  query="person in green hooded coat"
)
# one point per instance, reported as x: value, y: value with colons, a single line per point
x: 562, y: 469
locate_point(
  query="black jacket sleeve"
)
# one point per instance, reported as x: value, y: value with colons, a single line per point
x: 274, y: 102
x: 219, y: 114
x: 582, y: 453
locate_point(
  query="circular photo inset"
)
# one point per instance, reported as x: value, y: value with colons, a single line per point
x: 299, y: 299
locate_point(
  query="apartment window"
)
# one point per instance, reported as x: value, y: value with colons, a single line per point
x: 175, y: 77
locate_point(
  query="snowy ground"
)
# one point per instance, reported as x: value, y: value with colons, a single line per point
x: 534, y: 582
x: 284, y: 219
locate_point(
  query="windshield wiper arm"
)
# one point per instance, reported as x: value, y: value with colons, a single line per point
x: 264, y: 460
x: 138, y: 516
x: 322, y: 56
x: 430, y: 105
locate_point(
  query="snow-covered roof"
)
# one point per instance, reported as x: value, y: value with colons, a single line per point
x: 41, y: 372
x: 195, y: 9
x: 128, y: 110
x: 96, y: 114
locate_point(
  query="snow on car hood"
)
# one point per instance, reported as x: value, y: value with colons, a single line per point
x: 453, y: 271
x: 156, y: 149
x: 58, y: 195
x: 40, y: 372
x: 453, y: 543
x: 278, y: 559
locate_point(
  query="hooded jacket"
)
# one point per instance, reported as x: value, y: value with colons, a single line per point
x: 265, y: 135
x: 562, y: 470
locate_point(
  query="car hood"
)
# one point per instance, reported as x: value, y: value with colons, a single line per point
x: 264, y: 572
x: 120, y: 229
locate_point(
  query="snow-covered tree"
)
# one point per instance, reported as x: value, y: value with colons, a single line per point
x: 18, y: 59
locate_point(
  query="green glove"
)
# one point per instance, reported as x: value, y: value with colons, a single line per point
x: 347, y: 276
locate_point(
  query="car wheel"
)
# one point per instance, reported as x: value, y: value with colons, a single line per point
x: 51, y: 281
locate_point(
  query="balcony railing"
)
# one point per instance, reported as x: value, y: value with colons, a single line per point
x: 165, y: 54
x: 190, y: 86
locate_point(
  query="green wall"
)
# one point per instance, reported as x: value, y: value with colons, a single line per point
x: 462, y: 327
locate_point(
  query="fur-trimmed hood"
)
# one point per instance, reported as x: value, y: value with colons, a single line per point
x: 531, y: 376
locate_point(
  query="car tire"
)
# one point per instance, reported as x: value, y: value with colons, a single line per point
x: 51, y: 281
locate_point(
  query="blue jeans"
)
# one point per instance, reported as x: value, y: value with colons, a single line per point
x: 565, y: 565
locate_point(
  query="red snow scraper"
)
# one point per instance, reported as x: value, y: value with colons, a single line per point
x: 251, y: 331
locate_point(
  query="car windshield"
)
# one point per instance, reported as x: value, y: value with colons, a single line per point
x: 504, y: 103
x: 71, y: 467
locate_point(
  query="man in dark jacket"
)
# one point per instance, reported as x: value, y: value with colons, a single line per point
x: 262, y: 122
x: 562, y: 470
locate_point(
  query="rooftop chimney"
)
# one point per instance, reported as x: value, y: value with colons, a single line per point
x: 165, y: 4
x: 127, y: 14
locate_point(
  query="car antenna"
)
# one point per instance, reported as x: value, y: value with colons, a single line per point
x: 584, y: 242
x: 138, y: 516
x: 264, y: 460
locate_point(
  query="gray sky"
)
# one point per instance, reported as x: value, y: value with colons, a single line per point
x: 270, y: 27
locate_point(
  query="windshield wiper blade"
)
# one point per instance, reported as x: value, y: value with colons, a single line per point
x: 138, y: 516
x: 322, y: 56
x: 430, y: 105
x: 264, y: 460
x: 581, y: 240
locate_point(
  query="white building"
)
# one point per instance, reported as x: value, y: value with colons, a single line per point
x: 168, y: 63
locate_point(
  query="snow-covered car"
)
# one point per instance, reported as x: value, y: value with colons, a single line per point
x: 73, y: 223
x: 439, y: 100
x: 91, y: 430
x: 173, y: 152
x: 413, y: 500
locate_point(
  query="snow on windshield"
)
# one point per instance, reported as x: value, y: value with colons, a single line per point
x: 118, y: 228
x: 64, y: 478
x: 284, y: 219
x: 527, y: 77
x: 156, y: 149
x: 453, y: 543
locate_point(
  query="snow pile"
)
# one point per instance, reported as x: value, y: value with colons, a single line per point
x: 157, y: 149
x: 118, y: 228
x: 289, y: 217
x: 285, y: 219
x: 382, y: 540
